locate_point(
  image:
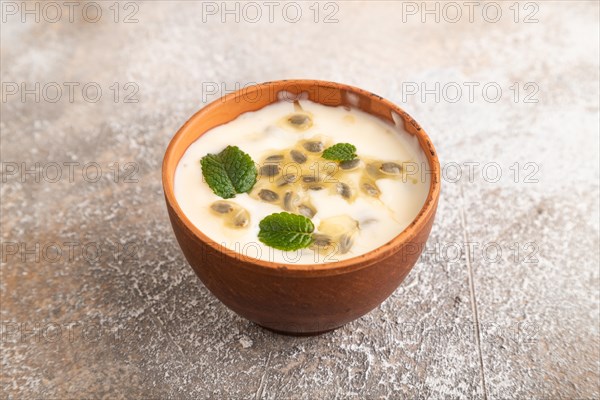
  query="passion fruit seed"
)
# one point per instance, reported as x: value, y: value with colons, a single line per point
x: 289, y: 201
x: 390, y: 168
x: 298, y: 156
x: 344, y: 190
x: 313, y: 147
x: 367, y: 222
x: 350, y: 164
x: 285, y: 179
x: 306, y: 211
x: 309, y: 179
x: 268, y: 195
x: 321, y: 240
x: 234, y: 215
x: 370, y: 189
x: 345, y: 242
x: 274, y: 157
x: 341, y: 231
x: 299, y: 119
x: 241, y: 219
x: 269, y: 170
x: 316, y: 187
x: 221, y: 207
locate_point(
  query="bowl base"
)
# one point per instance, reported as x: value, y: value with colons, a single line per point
x: 297, y: 333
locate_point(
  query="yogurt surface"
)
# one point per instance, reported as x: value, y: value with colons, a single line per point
x: 261, y: 133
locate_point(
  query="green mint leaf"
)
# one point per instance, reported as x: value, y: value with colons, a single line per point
x: 340, y: 152
x: 229, y: 172
x: 285, y: 231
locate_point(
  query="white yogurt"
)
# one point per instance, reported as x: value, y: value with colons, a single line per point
x: 260, y: 133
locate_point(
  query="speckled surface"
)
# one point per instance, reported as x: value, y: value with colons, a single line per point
x: 123, y: 316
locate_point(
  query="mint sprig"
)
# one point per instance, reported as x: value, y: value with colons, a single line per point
x: 285, y: 231
x: 340, y: 152
x: 230, y: 172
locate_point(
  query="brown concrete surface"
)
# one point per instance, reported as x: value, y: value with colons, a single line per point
x: 97, y: 300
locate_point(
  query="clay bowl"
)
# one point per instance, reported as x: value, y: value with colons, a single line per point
x: 291, y: 298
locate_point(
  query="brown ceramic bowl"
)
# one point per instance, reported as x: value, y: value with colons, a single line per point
x: 293, y: 298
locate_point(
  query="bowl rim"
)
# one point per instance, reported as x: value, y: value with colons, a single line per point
x: 384, y: 251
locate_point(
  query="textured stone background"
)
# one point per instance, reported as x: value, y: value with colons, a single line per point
x: 133, y: 321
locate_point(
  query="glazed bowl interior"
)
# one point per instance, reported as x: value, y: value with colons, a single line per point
x: 332, y: 94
